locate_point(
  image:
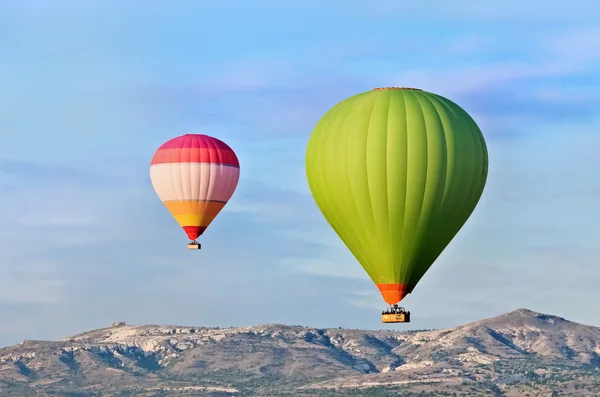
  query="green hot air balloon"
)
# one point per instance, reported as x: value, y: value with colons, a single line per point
x: 396, y: 172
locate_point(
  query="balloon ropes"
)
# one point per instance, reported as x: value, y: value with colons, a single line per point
x: 194, y: 176
x: 396, y: 172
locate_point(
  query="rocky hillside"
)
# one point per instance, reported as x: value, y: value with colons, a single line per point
x: 518, y: 353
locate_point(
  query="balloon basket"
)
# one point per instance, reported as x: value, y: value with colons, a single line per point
x: 395, y: 318
x: 194, y: 245
x: 395, y: 315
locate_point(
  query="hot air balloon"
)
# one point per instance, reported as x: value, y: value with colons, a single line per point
x: 396, y: 172
x: 194, y: 176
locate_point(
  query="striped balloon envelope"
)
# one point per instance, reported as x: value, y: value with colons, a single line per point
x: 194, y: 176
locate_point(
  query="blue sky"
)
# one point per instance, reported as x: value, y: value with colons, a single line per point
x: 91, y: 89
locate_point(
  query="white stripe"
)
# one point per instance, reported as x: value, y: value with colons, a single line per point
x: 194, y: 181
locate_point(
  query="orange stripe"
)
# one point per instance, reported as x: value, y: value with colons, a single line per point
x: 394, y: 293
x: 201, y: 208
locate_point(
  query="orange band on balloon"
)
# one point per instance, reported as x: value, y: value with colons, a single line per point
x: 194, y: 207
x: 394, y: 293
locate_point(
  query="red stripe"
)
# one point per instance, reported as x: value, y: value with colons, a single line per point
x: 213, y: 156
x: 194, y: 232
x: 195, y: 148
x: 195, y: 141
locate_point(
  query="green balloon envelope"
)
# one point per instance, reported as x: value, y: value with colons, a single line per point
x: 396, y: 172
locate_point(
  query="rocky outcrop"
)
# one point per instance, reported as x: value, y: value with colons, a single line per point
x: 505, y: 351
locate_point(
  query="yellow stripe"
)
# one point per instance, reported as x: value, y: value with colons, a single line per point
x: 194, y: 219
x: 194, y: 212
x: 194, y: 207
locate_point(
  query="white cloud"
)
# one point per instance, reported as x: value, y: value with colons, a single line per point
x: 577, y: 45
x: 339, y: 266
x: 534, y: 10
x: 131, y: 254
x: 35, y: 282
x: 480, y: 78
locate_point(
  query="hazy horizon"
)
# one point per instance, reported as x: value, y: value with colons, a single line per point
x: 90, y: 91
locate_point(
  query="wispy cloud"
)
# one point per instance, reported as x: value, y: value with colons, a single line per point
x: 267, y: 99
x: 88, y: 249
x: 475, y: 11
x: 577, y: 44
x: 277, y: 98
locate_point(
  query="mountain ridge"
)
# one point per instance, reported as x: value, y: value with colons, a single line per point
x: 518, y: 350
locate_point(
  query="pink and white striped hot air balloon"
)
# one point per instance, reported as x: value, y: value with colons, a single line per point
x: 194, y: 176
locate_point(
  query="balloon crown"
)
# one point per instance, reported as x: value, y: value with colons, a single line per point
x: 396, y: 88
